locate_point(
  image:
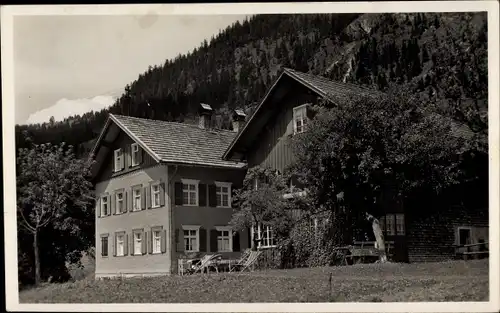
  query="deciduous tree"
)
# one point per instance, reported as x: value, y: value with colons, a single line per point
x: 53, y: 191
x: 370, y: 151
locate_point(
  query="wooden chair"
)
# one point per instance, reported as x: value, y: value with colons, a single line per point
x: 205, y: 263
x: 247, y: 262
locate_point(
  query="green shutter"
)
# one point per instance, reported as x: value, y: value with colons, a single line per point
x: 213, y: 240
x: 143, y: 198
x: 202, y: 195
x: 125, y: 244
x: 139, y: 154
x: 130, y: 199
x: 112, y: 204
x: 178, y: 193
x: 212, y: 196
x: 128, y: 153
x: 98, y: 207
x: 114, y: 245
x: 144, y: 243
x: 203, y: 240
x: 150, y: 241
x: 163, y: 241
x: 162, y: 194
x: 148, y: 196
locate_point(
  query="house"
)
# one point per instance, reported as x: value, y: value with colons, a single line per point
x: 419, y: 233
x: 163, y: 193
x: 164, y: 189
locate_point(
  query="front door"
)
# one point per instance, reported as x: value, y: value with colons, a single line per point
x: 394, y: 228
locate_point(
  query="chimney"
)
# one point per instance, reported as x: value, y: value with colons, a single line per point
x: 238, y: 119
x: 205, y: 113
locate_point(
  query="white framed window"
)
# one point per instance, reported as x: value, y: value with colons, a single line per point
x: 393, y: 224
x: 223, y: 194
x: 134, y: 150
x: 224, y: 239
x: 155, y: 195
x: 120, y: 202
x: 137, y: 243
x: 104, y: 246
x: 400, y: 224
x: 191, y: 238
x: 390, y: 225
x: 265, y: 235
x: 120, y: 245
x: 136, y: 199
x: 190, y: 192
x: 118, y: 160
x: 104, y: 205
x: 464, y: 235
x: 156, y: 241
x: 299, y: 119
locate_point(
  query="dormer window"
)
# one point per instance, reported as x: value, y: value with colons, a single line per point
x: 299, y: 119
x: 134, y: 148
x: 118, y: 160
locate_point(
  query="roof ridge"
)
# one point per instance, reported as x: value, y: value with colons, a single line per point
x: 292, y: 71
x: 175, y: 123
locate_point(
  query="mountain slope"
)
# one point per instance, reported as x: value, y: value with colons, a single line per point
x: 442, y: 56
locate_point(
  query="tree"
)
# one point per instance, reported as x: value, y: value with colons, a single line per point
x: 260, y: 201
x: 361, y: 157
x: 52, y: 185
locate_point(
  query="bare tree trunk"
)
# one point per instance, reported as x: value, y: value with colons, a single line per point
x: 38, y: 278
x: 379, y: 237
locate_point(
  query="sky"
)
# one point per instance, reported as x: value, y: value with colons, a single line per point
x: 66, y: 65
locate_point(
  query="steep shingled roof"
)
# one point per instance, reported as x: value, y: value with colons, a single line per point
x: 179, y: 143
x: 325, y: 86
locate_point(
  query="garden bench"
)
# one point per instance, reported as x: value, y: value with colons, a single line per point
x: 470, y: 252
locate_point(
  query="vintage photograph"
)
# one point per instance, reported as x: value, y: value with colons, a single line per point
x: 251, y: 158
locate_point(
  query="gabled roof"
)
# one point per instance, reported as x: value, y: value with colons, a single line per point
x: 324, y: 88
x: 176, y: 143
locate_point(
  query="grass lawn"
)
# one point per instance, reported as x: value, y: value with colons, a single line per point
x: 446, y: 281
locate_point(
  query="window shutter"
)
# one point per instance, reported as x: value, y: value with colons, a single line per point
x: 109, y: 205
x: 112, y: 203
x: 113, y: 162
x: 163, y: 241
x: 125, y: 201
x: 125, y: 244
x: 114, y: 245
x: 203, y: 240
x: 144, y: 243
x: 236, y: 241
x: 128, y: 153
x: 179, y: 241
x: 212, y: 196
x: 98, y: 207
x: 178, y: 193
x: 213, y: 240
x: 148, y: 196
x: 150, y: 241
x: 139, y: 154
x: 130, y: 199
x: 162, y: 194
x: 143, y: 198
x: 122, y: 161
x: 202, y: 195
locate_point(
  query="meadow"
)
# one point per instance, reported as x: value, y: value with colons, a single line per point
x: 444, y: 281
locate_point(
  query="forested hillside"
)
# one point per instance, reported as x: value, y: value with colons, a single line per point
x: 442, y: 56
